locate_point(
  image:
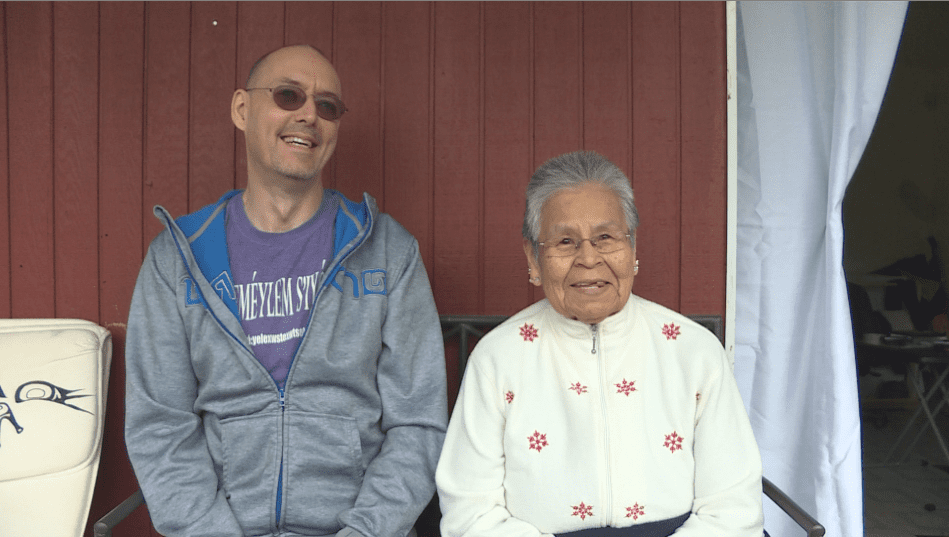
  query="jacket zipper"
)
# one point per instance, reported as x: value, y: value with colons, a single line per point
x: 594, y: 327
x: 604, y: 385
x: 283, y: 407
x: 282, y: 392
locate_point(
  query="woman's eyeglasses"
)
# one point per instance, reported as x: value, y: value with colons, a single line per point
x: 604, y: 243
x: 291, y: 98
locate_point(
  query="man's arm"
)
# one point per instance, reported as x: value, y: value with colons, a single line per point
x: 164, y: 437
x: 399, y: 482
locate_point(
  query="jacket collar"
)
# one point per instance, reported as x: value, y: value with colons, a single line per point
x: 621, y: 321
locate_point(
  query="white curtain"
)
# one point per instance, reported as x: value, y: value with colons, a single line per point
x: 811, y: 78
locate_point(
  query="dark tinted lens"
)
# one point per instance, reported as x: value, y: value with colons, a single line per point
x: 329, y: 109
x: 289, y: 97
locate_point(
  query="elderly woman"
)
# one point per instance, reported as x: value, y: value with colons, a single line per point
x: 594, y: 410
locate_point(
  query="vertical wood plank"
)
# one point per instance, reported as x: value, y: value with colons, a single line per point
x: 75, y: 48
x: 312, y: 23
x: 357, y: 50
x: 120, y: 153
x: 458, y: 158
x: 29, y: 56
x: 558, y: 84
x: 508, y: 163
x: 121, y: 93
x: 260, y: 30
x: 656, y: 149
x: 606, y: 81
x: 703, y: 158
x: 213, y: 75
x: 6, y: 279
x: 558, y: 80
x: 166, y: 113
x: 407, y: 119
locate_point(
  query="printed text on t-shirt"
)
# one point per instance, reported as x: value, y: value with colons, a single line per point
x: 280, y: 298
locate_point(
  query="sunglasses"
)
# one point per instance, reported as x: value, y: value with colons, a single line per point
x: 290, y: 98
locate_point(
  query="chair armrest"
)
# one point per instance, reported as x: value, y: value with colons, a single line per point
x: 105, y: 525
x: 804, y: 520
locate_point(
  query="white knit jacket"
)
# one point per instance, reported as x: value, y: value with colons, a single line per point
x: 561, y: 426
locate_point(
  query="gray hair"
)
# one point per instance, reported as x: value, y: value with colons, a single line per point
x: 572, y: 170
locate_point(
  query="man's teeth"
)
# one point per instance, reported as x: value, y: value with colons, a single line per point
x: 297, y: 141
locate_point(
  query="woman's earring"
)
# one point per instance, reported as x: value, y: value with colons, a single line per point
x: 636, y: 267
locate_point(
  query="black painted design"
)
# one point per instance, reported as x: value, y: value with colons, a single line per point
x: 37, y: 390
x: 40, y: 390
x: 7, y: 414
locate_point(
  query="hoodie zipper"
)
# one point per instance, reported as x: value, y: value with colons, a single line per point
x: 282, y: 391
x: 283, y: 407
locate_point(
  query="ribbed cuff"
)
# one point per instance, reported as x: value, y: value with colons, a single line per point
x: 349, y: 532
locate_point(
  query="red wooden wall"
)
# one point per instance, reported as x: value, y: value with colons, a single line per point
x: 107, y: 109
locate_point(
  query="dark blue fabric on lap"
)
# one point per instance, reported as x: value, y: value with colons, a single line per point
x: 660, y: 528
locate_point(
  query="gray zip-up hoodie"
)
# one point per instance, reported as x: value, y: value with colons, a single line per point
x: 353, y: 439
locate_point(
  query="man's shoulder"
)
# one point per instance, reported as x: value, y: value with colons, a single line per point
x: 389, y: 226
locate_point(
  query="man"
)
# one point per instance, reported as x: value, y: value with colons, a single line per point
x: 285, y: 368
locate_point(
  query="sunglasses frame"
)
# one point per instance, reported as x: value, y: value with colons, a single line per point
x: 324, y: 97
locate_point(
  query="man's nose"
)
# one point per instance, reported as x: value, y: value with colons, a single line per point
x: 307, y: 113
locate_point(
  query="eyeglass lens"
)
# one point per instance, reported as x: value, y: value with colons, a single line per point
x: 568, y: 246
x: 293, y: 98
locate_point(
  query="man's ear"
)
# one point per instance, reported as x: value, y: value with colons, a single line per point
x: 534, y: 275
x: 239, y: 106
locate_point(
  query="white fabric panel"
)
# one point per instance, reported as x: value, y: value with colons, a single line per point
x: 811, y: 77
x: 54, y: 377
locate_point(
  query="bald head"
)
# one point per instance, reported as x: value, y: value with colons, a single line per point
x: 263, y: 60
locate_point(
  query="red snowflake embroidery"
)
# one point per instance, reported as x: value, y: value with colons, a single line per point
x: 673, y: 442
x: 625, y: 388
x: 671, y: 331
x: 635, y: 511
x: 578, y: 388
x: 509, y: 397
x: 528, y: 332
x: 538, y: 441
x: 582, y: 510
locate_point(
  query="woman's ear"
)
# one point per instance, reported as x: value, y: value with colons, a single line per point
x: 534, y: 275
x: 239, y: 109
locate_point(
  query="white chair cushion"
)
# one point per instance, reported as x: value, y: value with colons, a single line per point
x: 54, y: 376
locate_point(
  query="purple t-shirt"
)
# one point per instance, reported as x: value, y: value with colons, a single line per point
x: 275, y: 277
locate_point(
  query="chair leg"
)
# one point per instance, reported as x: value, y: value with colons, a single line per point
x: 104, y: 526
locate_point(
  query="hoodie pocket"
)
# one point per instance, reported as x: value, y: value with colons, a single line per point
x: 324, y: 471
x: 251, y: 462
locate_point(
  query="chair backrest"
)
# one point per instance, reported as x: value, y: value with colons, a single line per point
x: 54, y: 375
